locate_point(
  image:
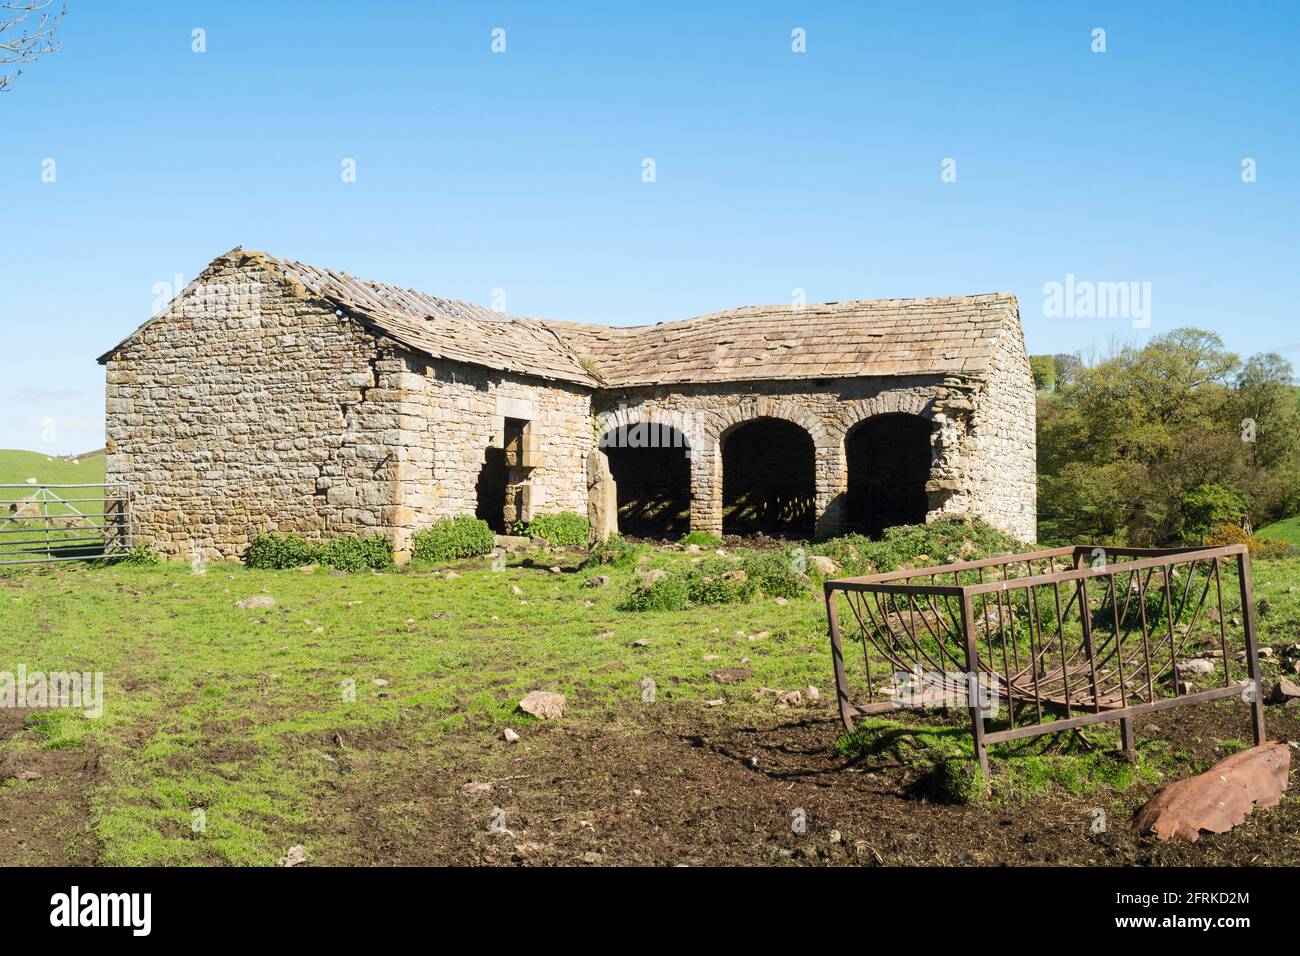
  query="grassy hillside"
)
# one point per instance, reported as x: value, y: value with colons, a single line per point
x: 1286, y: 530
x: 17, y: 466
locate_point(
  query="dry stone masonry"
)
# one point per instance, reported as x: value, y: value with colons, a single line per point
x: 272, y: 395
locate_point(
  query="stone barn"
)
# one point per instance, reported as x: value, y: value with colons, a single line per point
x: 272, y: 395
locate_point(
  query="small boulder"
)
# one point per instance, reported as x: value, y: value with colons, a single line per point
x: 296, y: 856
x: 510, y: 736
x: 1283, y: 692
x: 1197, y: 665
x: 255, y: 602
x: 822, y: 564
x: 599, y: 581
x: 543, y: 704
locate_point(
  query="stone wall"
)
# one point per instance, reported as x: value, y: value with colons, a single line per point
x: 971, y: 446
x: 450, y: 414
x: 1003, y: 424
x: 245, y: 407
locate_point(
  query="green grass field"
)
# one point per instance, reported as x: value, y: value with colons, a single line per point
x: 18, y: 466
x: 251, y: 716
x: 1286, y: 530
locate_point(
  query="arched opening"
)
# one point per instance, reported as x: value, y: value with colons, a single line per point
x: 888, y: 458
x: 652, y: 473
x: 769, y: 482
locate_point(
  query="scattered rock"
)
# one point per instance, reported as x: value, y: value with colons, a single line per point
x: 714, y: 703
x: 555, y: 569
x: 510, y: 736
x: 736, y: 577
x: 835, y: 836
x: 1197, y: 665
x: 296, y: 856
x: 27, y: 775
x: 255, y: 602
x: 599, y: 581
x: 380, y: 682
x: 812, y: 694
x: 780, y: 602
x: 475, y: 787
x: 516, y: 589
x: 650, y: 576
x: 543, y: 704
x: 790, y: 698
x: 731, y: 675
x: 1283, y: 692
x: 642, y: 643
x: 1220, y: 798
x: 450, y: 576
x: 307, y: 569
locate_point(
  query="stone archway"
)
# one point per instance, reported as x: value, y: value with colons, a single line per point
x: 769, y: 479
x: 888, y: 463
x: 651, y: 467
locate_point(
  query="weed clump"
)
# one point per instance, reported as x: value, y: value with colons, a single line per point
x: 616, y: 551
x: 567, y: 529
x: 277, y: 552
x: 666, y: 594
x: 452, y: 538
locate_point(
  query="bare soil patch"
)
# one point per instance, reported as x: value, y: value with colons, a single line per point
x: 44, y: 821
x: 684, y: 785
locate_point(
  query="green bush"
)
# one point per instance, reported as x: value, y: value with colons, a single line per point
x: 1270, y: 548
x: 350, y: 553
x: 142, y: 555
x: 719, y: 582
x: 452, y: 538
x: 1207, y: 507
x: 939, y: 542
x: 616, y: 551
x: 666, y: 594
x: 566, y: 529
x: 701, y: 538
x: 272, y: 551
x: 776, y: 573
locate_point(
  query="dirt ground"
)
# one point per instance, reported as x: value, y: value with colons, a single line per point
x: 45, y: 819
x: 673, y: 785
x: 685, y: 786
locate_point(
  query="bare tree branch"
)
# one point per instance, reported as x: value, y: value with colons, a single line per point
x: 32, y: 40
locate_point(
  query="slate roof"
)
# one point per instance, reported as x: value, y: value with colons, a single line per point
x: 951, y: 335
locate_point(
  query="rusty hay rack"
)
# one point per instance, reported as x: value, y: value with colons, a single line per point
x: 1051, y: 640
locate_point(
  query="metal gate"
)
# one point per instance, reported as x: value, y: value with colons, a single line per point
x: 40, y: 523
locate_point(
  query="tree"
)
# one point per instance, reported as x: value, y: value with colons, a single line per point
x: 22, y: 39
x: 1149, y: 445
x: 1044, y: 369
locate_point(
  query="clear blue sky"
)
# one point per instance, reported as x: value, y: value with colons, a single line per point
x: 775, y: 170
